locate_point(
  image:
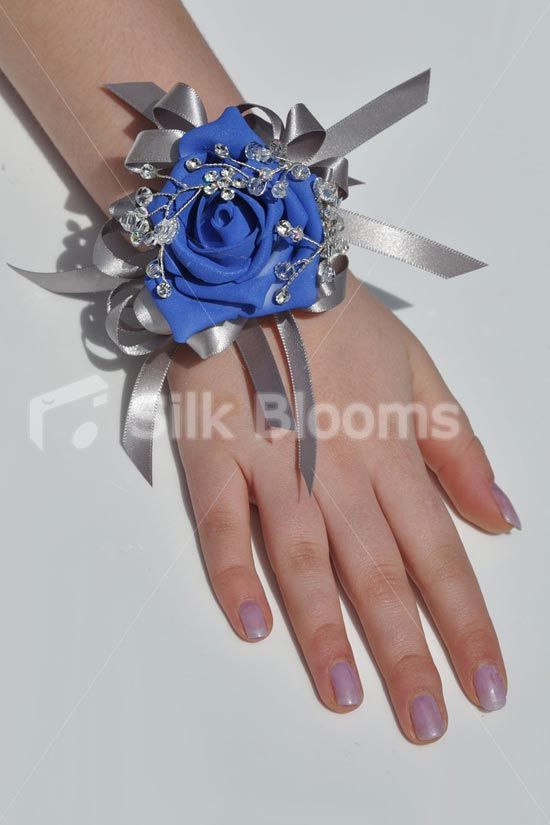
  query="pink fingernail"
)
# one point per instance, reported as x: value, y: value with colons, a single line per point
x: 426, y: 717
x: 253, y: 620
x: 506, y: 507
x: 346, y: 685
x: 490, y: 688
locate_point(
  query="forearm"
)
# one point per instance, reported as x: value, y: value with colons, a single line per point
x: 58, y: 55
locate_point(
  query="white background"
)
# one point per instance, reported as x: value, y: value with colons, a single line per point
x: 124, y: 695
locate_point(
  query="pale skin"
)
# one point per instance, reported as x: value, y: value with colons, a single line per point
x: 376, y: 519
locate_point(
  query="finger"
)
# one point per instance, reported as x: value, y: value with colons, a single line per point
x: 219, y: 495
x: 297, y: 544
x: 452, y: 450
x: 372, y: 573
x: 437, y: 562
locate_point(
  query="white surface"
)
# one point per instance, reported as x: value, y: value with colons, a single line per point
x: 125, y: 697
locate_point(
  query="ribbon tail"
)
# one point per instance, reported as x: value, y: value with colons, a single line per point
x: 304, y: 403
x: 142, y: 97
x: 374, y: 117
x: 406, y: 246
x: 71, y: 281
x: 139, y: 424
x: 270, y: 390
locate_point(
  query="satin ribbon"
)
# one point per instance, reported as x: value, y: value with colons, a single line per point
x: 137, y: 327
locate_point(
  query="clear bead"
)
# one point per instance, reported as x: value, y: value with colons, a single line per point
x: 164, y: 289
x: 283, y: 228
x: 296, y: 234
x: 299, y: 171
x: 143, y: 196
x: 228, y: 194
x: 330, y: 213
x: 210, y: 176
x: 210, y: 188
x: 192, y: 163
x: 282, y: 296
x: 239, y: 182
x: 166, y: 230
x: 325, y: 190
x: 256, y: 186
x: 283, y: 270
x: 280, y: 189
x: 147, y: 171
x: 278, y: 148
x: 128, y: 221
x: 153, y: 270
x: 141, y: 212
x: 255, y: 151
x: 221, y: 150
x: 326, y: 272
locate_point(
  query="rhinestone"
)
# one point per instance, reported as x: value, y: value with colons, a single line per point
x: 255, y: 151
x: 167, y: 230
x: 210, y: 188
x: 221, y: 150
x: 325, y: 190
x: 227, y: 172
x: 153, y: 270
x: 239, y: 182
x: 256, y: 186
x: 223, y: 183
x: 299, y: 171
x: 283, y: 228
x: 143, y: 196
x: 141, y: 212
x: 192, y: 163
x: 128, y: 221
x: 164, y: 289
x: 283, y: 270
x: 330, y: 213
x: 210, y: 176
x: 228, y: 194
x: 282, y: 296
x: 326, y: 272
x: 280, y: 189
x: 278, y: 148
x: 149, y: 239
x: 147, y: 171
x: 296, y: 233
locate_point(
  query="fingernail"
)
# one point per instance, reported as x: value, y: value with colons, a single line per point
x: 346, y: 685
x: 253, y: 620
x: 490, y: 688
x: 506, y: 507
x: 427, y: 720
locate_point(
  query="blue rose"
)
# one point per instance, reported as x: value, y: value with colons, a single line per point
x: 222, y: 261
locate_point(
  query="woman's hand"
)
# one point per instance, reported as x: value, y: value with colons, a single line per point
x: 375, y: 516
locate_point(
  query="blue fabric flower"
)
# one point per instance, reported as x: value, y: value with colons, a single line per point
x: 221, y: 262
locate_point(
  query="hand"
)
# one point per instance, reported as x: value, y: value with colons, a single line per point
x: 375, y: 513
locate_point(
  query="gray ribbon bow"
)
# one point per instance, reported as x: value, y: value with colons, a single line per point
x: 133, y: 320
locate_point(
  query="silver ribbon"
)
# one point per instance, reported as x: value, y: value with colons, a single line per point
x: 133, y: 320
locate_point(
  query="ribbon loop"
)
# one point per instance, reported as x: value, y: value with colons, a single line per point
x: 268, y: 131
x: 303, y: 133
x: 158, y: 147
x: 180, y: 108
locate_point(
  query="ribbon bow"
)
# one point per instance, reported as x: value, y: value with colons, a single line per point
x: 133, y: 320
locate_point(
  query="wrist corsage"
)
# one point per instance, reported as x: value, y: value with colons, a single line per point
x: 233, y: 220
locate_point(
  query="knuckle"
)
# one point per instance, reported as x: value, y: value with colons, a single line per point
x: 305, y: 556
x: 410, y: 666
x: 445, y: 564
x: 228, y: 575
x: 221, y: 523
x: 327, y: 638
x: 383, y: 582
x: 475, y: 638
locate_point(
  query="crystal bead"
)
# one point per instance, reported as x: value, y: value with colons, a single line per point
x: 227, y: 172
x: 167, y: 230
x: 149, y: 239
x: 147, y: 171
x: 192, y: 163
x: 210, y: 188
x: 283, y: 270
x: 221, y: 150
x: 299, y: 171
x: 280, y: 189
x: 283, y: 228
x: 282, y: 296
x: 277, y: 148
x: 141, y: 212
x: 325, y: 190
x: 228, y: 194
x: 255, y: 151
x: 223, y: 183
x: 153, y: 270
x: 164, y: 289
x: 210, y: 176
x: 128, y: 221
x: 330, y: 213
x: 239, y: 182
x: 326, y: 272
x: 265, y: 173
x: 143, y: 196
x: 256, y: 186
x: 296, y: 234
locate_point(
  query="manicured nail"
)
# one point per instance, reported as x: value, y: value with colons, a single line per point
x: 346, y: 685
x: 490, y: 688
x: 427, y: 720
x: 253, y: 620
x: 506, y: 507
